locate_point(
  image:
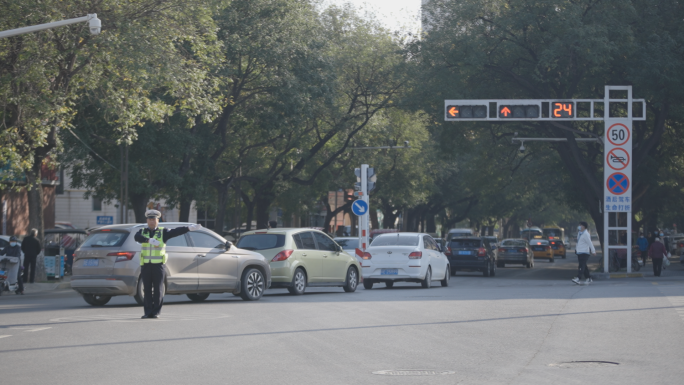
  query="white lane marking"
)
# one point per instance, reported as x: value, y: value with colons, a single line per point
x: 136, y: 318
x: 39, y: 329
x: 18, y: 306
x: 8, y: 335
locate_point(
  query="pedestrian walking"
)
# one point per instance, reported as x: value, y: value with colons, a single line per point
x: 152, y: 259
x: 657, y: 252
x: 642, y: 242
x: 31, y: 248
x: 583, y: 248
x: 13, y: 250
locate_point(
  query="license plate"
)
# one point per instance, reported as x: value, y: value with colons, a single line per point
x: 90, y: 262
x: 555, y: 248
x: 3, y: 272
x: 389, y: 271
x: 539, y: 249
x: 464, y: 253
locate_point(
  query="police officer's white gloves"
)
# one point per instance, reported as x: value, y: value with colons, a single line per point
x: 154, y: 242
x: 195, y: 227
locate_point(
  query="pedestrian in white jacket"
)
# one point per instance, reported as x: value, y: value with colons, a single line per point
x: 583, y: 249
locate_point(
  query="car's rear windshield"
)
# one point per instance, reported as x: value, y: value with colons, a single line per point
x: 348, y: 243
x: 460, y: 235
x: 106, y: 239
x: 513, y: 243
x: 261, y: 241
x: 539, y: 242
x: 395, y: 240
x: 463, y: 243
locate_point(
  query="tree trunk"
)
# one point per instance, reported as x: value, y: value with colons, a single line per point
x: 184, y: 211
x: 249, y: 206
x: 430, y: 224
x: 139, y: 204
x: 35, y: 199
x: 34, y: 195
x: 222, y: 200
x: 375, y: 224
x: 389, y: 218
x: 263, y: 205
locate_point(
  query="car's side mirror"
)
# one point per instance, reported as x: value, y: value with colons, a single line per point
x: 229, y: 244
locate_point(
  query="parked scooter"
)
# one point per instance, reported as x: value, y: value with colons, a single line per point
x: 9, y: 274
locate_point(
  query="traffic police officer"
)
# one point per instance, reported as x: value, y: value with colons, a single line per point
x: 153, y: 257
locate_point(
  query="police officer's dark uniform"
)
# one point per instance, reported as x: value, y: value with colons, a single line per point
x: 152, y: 259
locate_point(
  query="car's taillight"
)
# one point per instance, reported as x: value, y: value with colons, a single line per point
x: 680, y: 245
x: 548, y: 247
x: 523, y: 250
x: 481, y: 252
x: 502, y: 250
x: 366, y: 255
x: 448, y: 250
x: 122, y: 256
x: 416, y: 255
x: 283, y: 255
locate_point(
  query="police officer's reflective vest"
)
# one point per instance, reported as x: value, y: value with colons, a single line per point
x: 150, y: 253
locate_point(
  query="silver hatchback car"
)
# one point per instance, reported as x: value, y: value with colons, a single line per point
x: 199, y: 263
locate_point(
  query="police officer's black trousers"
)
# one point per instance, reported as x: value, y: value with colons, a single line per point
x: 153, y: 283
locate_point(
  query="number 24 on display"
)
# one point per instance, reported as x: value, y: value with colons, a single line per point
x: 562, y: 110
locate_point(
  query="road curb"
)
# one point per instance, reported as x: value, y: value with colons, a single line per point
x: 616, y: 275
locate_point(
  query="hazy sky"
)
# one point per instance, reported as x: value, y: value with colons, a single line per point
x: 395, y: 14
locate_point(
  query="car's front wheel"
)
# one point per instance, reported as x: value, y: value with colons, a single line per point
x: 298, y: 282
x: 352, y: 280
x: 198, y: 297
x: 427, y: 282
x: 96, y: 300
x: 253, y: 285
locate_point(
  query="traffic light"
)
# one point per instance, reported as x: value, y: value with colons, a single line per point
x: 518, y: 112
x: 372, y: 178
x: 466, y: 112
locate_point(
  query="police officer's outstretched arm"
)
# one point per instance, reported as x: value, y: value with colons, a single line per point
x: 168, y: 234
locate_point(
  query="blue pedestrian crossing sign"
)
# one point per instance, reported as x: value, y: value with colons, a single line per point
x: 359, y: 208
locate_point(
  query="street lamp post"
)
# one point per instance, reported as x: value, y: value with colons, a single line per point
x: 94, y: 24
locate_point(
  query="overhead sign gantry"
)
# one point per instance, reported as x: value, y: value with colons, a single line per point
x: 618, y: 112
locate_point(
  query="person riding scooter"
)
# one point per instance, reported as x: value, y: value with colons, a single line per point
x: 12, y: 266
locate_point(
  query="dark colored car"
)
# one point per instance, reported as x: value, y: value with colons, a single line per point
x: 515, y: 251
x: 471, y: 254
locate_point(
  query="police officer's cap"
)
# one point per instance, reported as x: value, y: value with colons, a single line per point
x: 152, y: 214
x: 13, y: 238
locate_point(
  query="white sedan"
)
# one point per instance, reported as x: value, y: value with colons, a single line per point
x: 404, y: 257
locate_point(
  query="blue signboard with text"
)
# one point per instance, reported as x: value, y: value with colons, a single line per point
x: 105, y: 220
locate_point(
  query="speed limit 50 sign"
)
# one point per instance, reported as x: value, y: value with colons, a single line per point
x: 618, y: 165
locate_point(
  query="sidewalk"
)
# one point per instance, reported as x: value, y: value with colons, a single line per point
x: 39, y: 287
x: 674, y: 271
